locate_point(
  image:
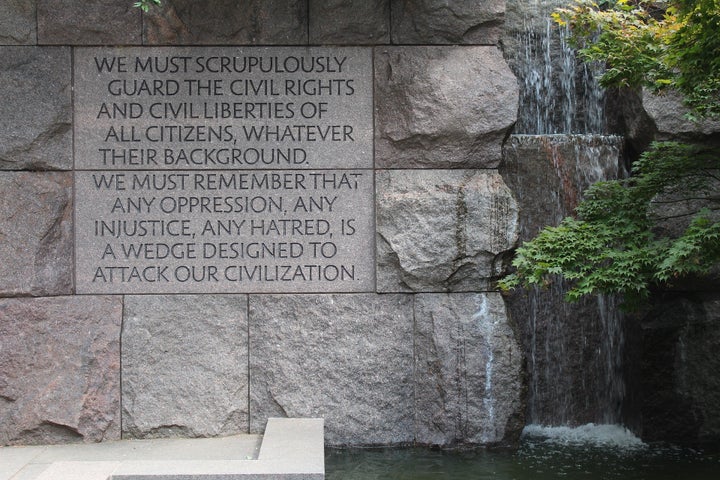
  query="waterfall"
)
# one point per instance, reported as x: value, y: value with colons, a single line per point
x: 574, y: 351
x: 560, y: 146
x: 558, y: 92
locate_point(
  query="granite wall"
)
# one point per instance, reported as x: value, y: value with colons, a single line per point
x: 423, y: 353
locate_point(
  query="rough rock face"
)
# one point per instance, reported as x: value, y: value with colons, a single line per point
x: 184, y: 363
x: 35, y: 233
x: 676, y: 388
x: 442, y: 230
x: 442, y: 107
x: 100, y: 22
x: 468, y: 370
x: 59, y: 369
x: 213, y: 22
x: 442, y: 22
x: 349, y: 22
x: 346, y: 358
x: 35, y: 113
x: 668, y: 113
x: 17, y: 22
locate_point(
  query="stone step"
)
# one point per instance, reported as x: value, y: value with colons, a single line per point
x: 291, y: 448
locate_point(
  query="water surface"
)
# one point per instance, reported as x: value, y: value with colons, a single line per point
x: 589, y: 452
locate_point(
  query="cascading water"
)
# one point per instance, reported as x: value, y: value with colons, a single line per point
x: 574, y: 351
x: 558, y: 92
x: 560, y: 147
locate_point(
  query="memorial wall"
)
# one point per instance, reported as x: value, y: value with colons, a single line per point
x: 212, y: 216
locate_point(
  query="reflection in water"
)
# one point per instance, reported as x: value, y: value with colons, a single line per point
x: 593, y: 452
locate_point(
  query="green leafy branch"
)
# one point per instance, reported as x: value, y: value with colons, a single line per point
x: 145, y: 5
x: 614, y: 245
x: 655, y: 44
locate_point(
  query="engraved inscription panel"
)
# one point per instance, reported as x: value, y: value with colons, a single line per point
x: 223, y: 170
x: 223, y: 108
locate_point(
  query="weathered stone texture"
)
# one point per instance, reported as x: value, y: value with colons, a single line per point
x: 35, y: 233
x: 35, y: 113
x: 442, y: 107
x: 17, y: 22
x: 442, y: 230
x: 669, y: 115
x: 346, y: 358
x: 443, y: 22
x: 184, y: 366
x: 89, y: 22
x: 213, y: 22
x: 469, y: 371
x: 59, y: 369
x: 349, y: 22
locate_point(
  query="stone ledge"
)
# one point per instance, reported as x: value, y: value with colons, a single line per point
x: 292, y: 448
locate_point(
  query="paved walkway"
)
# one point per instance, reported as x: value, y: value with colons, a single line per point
x: 289, y: 447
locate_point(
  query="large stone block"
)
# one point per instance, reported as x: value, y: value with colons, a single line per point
x: 17, y: 22
x: 348, y: 22
x: 225, y: 22
x: 59, y: 369
x: 91, y: 22
x: 443, y: 22
x: 184, y: 366
x: 35, y: 233
x: 468, y: 371
x: 442, y: 230
x: 669, y: 114
x: 36, y: 111
x: 346, y: 358
x: 442, y: 107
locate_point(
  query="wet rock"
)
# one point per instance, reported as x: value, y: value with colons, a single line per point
x: 36, y: 233
x: 184, y: 368
x: 442, y: 230
x: 549, y: 173
x: 97, y: 22
x: 349, y: 22
x: 17, y: 23
x: 442, y: 22
x: 36, y: 111
x: 59, y: 369
x: 468, y: 371
x: 224, y: 22
x: 442, y: 107
x: 346, y: 358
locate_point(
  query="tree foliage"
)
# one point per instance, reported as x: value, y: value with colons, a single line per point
x: 615, y: 245
x: 660, y: 45
x: 619, y: 242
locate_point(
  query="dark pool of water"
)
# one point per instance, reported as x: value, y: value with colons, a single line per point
x: 539, y: 458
